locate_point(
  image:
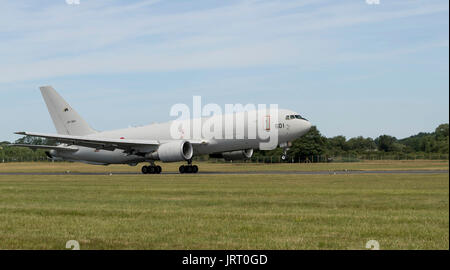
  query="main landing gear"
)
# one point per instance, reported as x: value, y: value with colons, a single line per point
x: 152, y: 169
x: 188, y: 168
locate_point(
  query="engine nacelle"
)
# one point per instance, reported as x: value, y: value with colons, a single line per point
x: 173, y: 151
x: 51, y: 156
x: 234, y: 155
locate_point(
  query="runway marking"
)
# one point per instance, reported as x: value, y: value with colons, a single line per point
x: 340, y: 172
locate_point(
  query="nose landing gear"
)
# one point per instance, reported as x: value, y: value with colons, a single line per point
x: 188, y: 168
x: 284, y: 156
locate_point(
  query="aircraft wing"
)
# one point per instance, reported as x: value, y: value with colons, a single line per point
x: 131, y: 146
x: 46, y: 147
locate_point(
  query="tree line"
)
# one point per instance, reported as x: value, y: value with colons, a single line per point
x: 312, y: 147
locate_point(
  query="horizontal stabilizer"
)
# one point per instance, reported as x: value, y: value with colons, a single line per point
x: 46, y: 147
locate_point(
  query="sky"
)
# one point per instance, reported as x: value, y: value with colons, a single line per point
x: 350, y: 67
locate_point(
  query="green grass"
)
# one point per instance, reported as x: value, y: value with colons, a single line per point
x: 407, y: 211
x: 235, y: 167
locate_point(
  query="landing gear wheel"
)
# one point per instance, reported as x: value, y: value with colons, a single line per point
x: 284, y: 156
x: 188, y: 169
x: 151, y: 169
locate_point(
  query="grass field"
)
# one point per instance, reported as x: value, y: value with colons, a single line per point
x: 235, y: 167
x: 400, y: 211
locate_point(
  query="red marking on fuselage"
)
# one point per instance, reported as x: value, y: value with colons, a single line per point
x: 122, y: 138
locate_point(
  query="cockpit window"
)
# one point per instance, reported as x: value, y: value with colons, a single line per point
x: 300, y: 117
x: 297, y: 116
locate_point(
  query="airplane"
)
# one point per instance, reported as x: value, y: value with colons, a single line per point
x: 78, y: 142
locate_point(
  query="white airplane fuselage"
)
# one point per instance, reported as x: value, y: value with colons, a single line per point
x: 288, y: 130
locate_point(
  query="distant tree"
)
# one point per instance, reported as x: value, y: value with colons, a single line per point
x: 441, y: 132
x: 311, y: 144
x: 337, y: 144
x: 34, y: 140
x: 30, y: 140
x: 386, y: 143
x: 361, y: 144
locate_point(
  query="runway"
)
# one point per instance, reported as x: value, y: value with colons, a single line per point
x: 344, y: 172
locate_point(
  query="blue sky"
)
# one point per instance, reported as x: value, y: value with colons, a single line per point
x: 351, y: 68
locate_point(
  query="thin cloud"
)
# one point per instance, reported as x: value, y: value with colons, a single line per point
x: 99, y: 37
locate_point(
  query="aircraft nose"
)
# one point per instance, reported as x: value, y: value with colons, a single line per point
x: 306, y: 125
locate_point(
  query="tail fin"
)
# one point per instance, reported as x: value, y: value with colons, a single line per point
x: 67, y: 121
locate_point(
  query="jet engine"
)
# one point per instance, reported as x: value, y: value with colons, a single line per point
x: 234, y: 155
x: 51, y: 155
x: 173, y: 151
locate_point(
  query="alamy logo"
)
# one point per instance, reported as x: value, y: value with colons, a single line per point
x: 373, y: 2
x: 373, y: 245
x: 73, y: 2
x: 73, y: 245
x: 250, y: 121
